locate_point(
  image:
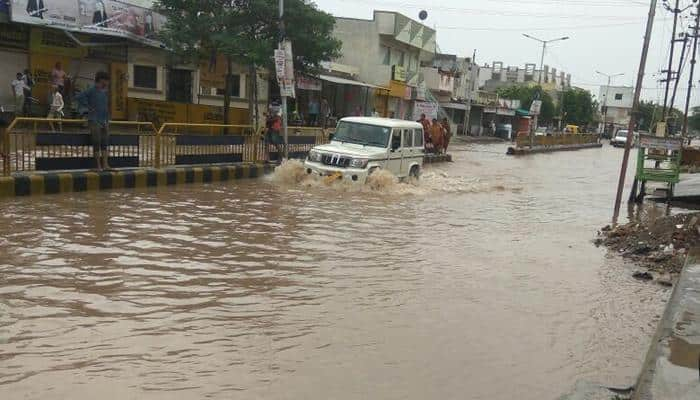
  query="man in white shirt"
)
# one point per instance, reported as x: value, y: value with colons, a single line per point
x: 18, y: 87
x: 56, y: 108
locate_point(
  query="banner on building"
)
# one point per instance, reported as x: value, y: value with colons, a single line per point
x: 424, y: 107
x: 107, y: 17
x: 308, y: 83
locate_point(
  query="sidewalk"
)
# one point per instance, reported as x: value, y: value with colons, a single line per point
x: 672, y: 366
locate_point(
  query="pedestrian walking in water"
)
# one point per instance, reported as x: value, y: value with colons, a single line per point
x: 18, y: 88
x: 96, y: 101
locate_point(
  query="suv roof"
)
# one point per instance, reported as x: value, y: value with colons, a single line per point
x: 386, y: 122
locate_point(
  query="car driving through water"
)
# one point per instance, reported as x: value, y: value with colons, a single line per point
x: 362, y: 145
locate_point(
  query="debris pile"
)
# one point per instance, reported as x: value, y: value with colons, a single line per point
x: 659, y: 246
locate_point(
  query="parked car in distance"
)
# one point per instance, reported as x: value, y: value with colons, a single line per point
x: 541, y: 131
x: 620, y: 138
x: 504, y: 131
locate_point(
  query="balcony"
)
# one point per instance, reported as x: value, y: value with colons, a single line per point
x: 437, y: 81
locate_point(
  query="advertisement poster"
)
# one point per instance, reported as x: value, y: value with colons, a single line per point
x: 90, y: 16
x: 423, y: 107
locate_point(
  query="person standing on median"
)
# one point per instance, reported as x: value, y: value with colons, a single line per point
x: 96, y: 101
x: 18, y: 88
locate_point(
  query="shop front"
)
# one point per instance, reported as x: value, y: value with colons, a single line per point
x: 347, y: 97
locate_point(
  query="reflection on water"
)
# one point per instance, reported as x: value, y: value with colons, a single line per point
x: 478, y: 282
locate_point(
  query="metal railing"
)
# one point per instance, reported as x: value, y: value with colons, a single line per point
x: 40, y: 144
x: 558, y: 140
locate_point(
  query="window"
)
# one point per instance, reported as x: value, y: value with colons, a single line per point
x: 396, y: 139
x: 180, y: 85
x: 235, y: 87
x: 402, y: 57
x: 145, y: 76
x: 418, y: 137
x: 618, y: 96
x: 386, y: 56
x: 407, y: 138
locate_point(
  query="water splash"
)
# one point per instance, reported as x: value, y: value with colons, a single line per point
x: 293, y: 173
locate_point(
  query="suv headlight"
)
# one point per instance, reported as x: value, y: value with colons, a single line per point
x: 315, y: 156
x: 358, y: 163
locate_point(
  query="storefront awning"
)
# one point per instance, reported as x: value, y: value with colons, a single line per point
x: 454, y: 106
x: 343, y: 81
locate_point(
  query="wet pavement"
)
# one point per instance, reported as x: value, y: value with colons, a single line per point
x: 480, y: 282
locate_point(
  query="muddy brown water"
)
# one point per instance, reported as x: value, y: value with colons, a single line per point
x: 480, y: 282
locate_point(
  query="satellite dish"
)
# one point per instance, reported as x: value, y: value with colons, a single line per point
x: 423, y: 15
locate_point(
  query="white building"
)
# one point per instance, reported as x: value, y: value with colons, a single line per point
x: 618, y: 100
x: 387, y: 51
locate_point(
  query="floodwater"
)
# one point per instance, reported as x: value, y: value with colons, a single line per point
x: 480, y: 282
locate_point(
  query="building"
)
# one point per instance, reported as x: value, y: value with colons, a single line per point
x: 618, y: 102
x: 387, y: 51
x: 495, y: 76
x: 147, y: 82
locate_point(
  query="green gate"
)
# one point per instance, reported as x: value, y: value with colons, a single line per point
x: 658, y: 160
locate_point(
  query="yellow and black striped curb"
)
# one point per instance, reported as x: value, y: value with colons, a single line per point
x: 66, y: 182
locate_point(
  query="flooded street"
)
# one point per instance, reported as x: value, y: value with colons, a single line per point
x: 479, y: 283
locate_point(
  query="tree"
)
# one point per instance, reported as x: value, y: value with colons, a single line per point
x: 247, y: 32
x: 526, y: 94
x: 578, y: 107
x: 650, y: 113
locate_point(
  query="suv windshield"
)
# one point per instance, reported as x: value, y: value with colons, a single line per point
x: 368, y: 135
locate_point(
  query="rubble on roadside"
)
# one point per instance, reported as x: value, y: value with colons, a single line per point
x: 660, y: 246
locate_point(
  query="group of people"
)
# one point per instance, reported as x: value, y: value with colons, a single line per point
x: 23, y: 85
x: 437, y: 134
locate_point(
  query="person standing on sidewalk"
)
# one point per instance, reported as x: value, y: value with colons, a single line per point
x: 96, y: 101
x: 18, y: 88
x: 314, y: 111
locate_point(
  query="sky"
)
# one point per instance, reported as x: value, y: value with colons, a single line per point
x: 605, y: 35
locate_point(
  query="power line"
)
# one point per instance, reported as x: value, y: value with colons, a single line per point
x: 540, y: 29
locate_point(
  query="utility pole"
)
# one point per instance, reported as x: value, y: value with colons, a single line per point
x: 696, y: 33
x: 635, y: 109
x: 669, y: 72
x: 282, y: 94
x: 607, y: 92
x: 678, y: 73
x: 539, y: 79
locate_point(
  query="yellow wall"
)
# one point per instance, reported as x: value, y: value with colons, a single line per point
x: 159, y: 112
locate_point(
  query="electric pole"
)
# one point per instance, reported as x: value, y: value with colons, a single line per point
x: 539, y: 79
x: 635, y: 109
x: 696, y: 33
x: 283, y: 95
x: 669, y: 72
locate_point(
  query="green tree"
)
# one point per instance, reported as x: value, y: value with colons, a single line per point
x: 578, y: 107
x: 650, y: 113
x: 526, y: 94
x: 247, y: 32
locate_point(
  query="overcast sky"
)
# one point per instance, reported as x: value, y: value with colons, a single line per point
x: 605, y: 35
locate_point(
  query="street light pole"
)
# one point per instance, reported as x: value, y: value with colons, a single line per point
x: 605, y: 100
x: 539, y: 79
x: 283, y: 106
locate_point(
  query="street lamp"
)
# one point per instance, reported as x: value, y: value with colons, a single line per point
x: 605, y: 100
x: 544, y: 47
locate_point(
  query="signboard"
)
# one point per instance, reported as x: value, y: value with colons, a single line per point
x: 663, y: 143
x: 536, y: 107
x: 308, y: 83
x: 106, y: 17
x: 423, y: 107
x: 284, y: 68
x: 398, y: 73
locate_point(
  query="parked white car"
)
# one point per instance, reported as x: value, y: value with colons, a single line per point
x: 620, y: 139
x: 363, y: 145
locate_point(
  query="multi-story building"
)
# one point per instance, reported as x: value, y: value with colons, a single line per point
x: 387, y: 51
x: 618, y: 101
x: 495, y: 76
